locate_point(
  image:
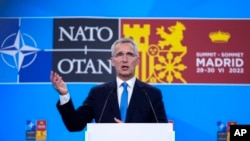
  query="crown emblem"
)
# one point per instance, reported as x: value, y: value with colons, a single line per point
x: 219, y: 37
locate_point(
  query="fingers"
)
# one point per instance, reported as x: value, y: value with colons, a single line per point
x: 117, y: 120
x: 55, y: 78
x: 51, y: 75
x: 58, y: 83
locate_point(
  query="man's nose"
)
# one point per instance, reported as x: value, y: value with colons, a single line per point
x: 125, y: 57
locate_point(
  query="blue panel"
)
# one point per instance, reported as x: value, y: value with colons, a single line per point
x: 130, y: 8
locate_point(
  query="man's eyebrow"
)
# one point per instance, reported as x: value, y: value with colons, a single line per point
x: 125, y: 52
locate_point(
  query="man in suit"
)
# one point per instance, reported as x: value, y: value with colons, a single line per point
x: 103, y: 103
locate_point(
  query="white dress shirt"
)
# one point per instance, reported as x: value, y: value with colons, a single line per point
x: 130, y: 88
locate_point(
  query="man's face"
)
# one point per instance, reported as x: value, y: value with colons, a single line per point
x: 124, y: 61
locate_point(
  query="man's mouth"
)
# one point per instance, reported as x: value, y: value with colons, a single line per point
x: 125, y: 67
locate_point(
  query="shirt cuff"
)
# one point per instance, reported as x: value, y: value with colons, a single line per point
x: 64, y: 99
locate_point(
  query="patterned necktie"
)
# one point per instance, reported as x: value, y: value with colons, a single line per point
x: 124, y: 102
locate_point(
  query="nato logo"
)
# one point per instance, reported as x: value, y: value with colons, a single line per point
x: 25, y: 50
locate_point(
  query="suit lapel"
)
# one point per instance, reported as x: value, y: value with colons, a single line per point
x: 115, y: 105
x: 114, y: 100
x: 135, y: 98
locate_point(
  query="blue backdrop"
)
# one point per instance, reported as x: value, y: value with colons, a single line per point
x: 195, y: 109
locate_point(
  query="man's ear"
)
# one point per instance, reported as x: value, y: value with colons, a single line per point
x: 138, y: 60
x: 112, y: 62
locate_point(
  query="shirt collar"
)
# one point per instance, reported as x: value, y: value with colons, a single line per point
x: 130, y: 82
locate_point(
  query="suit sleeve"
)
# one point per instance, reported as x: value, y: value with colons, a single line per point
x: 76, y: 119
x: 158, y: 105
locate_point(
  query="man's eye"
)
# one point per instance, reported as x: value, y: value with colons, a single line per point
x: 130, y: 54
x: 119, y: 55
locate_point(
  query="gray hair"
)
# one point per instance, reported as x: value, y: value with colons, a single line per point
x: 124, y: 40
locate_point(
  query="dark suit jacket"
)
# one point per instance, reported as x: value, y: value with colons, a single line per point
x: 139, y: 110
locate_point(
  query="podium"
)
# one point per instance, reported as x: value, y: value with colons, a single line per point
x: 130, y: 132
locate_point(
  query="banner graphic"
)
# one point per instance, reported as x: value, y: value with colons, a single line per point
x: 208, y: 51
x: 191, y: 51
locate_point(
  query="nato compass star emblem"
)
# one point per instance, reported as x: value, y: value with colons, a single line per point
x: 19, y: 50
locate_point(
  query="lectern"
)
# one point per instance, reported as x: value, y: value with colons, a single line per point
x: 130, y: 132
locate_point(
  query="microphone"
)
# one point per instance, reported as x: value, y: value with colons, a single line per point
x: 151, y: 105
x: 106, y: 101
